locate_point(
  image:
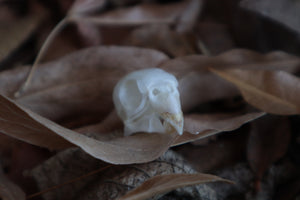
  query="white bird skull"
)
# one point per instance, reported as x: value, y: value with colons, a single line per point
x: 148, y: 101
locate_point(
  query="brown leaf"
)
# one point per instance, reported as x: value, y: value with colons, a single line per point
x: 236, y: 58
x: 268, y: 141
x: 12, y: 34
x: 8, y: 190
x: 282, y: 11
x: 200, y: 126
x: 271, y: 91
x: 196, y: 88
x: 189, y: 17
x: 115, y: 181
x: 25, y: 125
x: 83, y: 7
x: 161, y: 37
x: 66, y: 86
x: 215, y: 37
x: 138, y: 15
x: 164, y: 183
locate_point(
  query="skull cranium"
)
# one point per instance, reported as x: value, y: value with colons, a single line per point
x: 148, y: 101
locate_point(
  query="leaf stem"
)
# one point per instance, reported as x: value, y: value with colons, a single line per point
x: 57, y: 29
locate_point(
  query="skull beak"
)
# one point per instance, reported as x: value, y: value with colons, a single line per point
x: 173, y: 123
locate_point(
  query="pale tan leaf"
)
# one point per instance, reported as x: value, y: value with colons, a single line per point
x: 274, y: 92
x: 13, y: 34
x: 9, y: 190
x: 198, y: 126
x: 25, y: 125
x: 164, y: 183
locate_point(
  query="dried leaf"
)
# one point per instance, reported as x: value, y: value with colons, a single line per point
x: 66, y: 87
x: 236, y: 58
x: 115, y: 181
x: 161, y: 37
x: 271, y: 91
x: 164, y: 183
x: 13, y: 34
x: 196, y: 88
x: 8, y: 190
x: 215, y: 38
x: 83, y: 7
x: 201, y: 126
x: 25, y: 125
x: 282, y: 11
x: 138, y: 15
x: 267, y: 143
x: 189, y: 17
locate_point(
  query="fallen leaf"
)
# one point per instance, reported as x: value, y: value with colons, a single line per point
x: 282, y: 11
x: 9, y: 190
x: 268, y: 141
x: 196, y: 88
x: 161, y: 37
x: 236, y: 58
x: 164, y: 183
x: 83, y: 7
x: 90, y: 33
x: 198, y: 126
x: 138, y: 15
x: 217, y: 153
x: 67, y: 86
x: 115, y: 181
x: 215, y: 38
x: 189, y: 17
x: 271, y: 91
x: 25, y: 125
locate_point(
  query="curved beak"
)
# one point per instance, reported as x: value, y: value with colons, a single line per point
x: 173, y: 123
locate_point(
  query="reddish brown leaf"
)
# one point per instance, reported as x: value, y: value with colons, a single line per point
x: 271, y: 91
x: 165, y: 183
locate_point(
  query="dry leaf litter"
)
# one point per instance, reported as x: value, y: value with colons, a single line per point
x: 237, y: 65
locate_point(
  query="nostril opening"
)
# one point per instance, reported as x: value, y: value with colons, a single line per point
x: 155, y: 92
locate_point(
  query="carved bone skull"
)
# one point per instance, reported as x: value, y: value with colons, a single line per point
x: 148, y: 101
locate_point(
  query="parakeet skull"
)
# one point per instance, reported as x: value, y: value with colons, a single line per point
x: 148, y: 101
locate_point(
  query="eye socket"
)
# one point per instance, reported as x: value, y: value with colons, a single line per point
x: 155, y: 92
